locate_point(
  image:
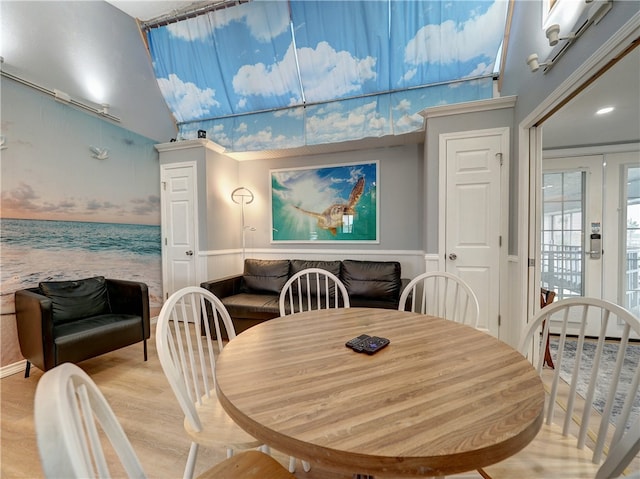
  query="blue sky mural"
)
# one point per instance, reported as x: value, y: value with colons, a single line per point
x: 281, y: 74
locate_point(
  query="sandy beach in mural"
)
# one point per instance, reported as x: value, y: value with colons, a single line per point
x: 36, y: 250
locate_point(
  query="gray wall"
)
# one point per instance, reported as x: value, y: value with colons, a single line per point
x: 400, y: 189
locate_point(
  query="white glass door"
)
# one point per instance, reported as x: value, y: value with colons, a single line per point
x: 590, y: 238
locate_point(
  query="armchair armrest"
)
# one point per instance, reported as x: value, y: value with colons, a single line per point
x: 224, y: 287
x: 130, y: 297
x: 34, y: 321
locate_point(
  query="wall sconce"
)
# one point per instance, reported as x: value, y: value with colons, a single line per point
x: 99, y: 153
x: 243, y: 196
x: 534, y: 65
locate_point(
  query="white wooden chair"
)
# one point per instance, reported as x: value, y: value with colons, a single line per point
x: 71, y: 417
x: 442, y: 294
x: 312, y: 289
x: 622, y: 454
x: 577, y: 447
x: 307, y: 290
x: 187, y: 350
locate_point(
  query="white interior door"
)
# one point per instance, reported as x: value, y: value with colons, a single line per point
x: 178, y: 227
x: 474, y: 212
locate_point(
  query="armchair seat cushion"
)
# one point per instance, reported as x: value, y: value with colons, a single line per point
x: 98, y: 335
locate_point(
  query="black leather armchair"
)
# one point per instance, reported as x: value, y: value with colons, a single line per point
x: 70, y: 321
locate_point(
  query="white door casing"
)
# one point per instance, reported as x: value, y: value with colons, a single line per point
x: 473, y: 210
x: 179, y: 238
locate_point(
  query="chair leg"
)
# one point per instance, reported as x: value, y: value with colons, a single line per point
x: 145, y: 349
x: 292, y: 464
x: 191, y: 461
x: 27, y: 370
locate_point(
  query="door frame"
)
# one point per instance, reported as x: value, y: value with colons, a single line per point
x: 530, y: 154
x: 164, y: 221
x: 504, y: 132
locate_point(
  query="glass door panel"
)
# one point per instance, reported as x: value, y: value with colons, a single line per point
x: 631, y: 250
x: 562, y: 232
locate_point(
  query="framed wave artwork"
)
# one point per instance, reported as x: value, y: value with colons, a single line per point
x: 326, y: 204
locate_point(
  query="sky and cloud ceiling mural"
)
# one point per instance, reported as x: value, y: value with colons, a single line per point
x: 284, y: 74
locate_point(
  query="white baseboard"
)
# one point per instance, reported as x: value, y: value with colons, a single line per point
x: 11, y: 369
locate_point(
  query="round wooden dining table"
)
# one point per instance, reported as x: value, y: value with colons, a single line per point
x: 440, y: 399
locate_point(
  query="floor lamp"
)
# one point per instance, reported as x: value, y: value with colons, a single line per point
x: 242, y: 196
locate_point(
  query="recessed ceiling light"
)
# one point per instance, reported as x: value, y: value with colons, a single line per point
x: 604, y: 111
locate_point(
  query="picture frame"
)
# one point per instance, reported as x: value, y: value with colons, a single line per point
x: 325, y: 204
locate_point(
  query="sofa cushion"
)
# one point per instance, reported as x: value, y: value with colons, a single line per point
x: 265, y: 276
x: 372, y: 279
x: 298, y: 265
x: 252, y: 306
x: 73, y: 300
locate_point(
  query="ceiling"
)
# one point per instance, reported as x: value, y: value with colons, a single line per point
x: 577, y: 123
x: 148, y: 10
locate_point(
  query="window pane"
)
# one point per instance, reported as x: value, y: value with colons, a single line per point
x: 562, y: 233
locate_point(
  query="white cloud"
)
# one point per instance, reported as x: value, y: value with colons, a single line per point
x: 449, y: 42
x: 264, y: 22
x: 481, y: 69
x: 187, y: 101
x: 326, y: 74
x: 267, y: 80
x: 264, y: 139
x: 337, y: 125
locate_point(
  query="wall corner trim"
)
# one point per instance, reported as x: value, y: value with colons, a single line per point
x: 469, y: 107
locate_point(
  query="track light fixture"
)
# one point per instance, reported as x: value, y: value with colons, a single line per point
x: 534, y: 65
x: 553, y: 35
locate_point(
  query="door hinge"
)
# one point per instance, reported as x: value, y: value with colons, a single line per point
x: 164, y: 185
x: 500, y: 240
x: 499, y: 320
x: 165, y: 241
x: 499, y: 157
x: 532, y: 262
x: 166, y: 295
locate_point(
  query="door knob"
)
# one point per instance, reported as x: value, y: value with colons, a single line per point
x: 453, y: 256
x: 189, y: 253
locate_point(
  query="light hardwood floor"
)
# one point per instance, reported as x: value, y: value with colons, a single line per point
x: 143, y: 402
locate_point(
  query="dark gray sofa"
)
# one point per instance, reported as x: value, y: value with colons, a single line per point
x: 70, y: 321
x: 252, y: 297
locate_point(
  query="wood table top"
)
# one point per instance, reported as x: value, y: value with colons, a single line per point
x: 441, y: 398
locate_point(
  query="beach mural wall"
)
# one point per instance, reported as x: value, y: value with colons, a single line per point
x: 80, y: 197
